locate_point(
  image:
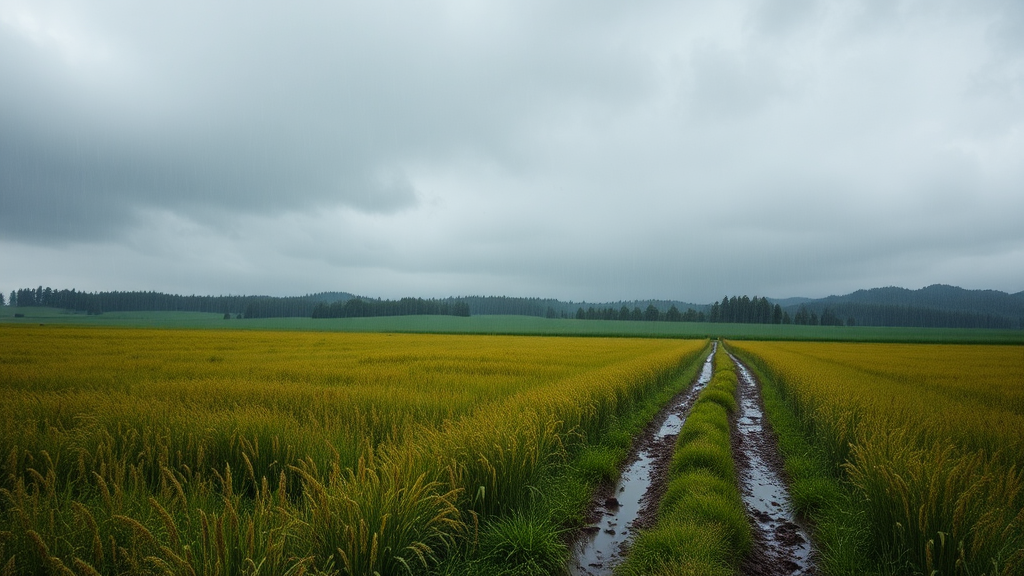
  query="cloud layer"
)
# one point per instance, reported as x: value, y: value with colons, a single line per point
x: 578, y: 150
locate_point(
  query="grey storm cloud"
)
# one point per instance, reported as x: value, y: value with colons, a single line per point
x: 572, y: 149
x: 189, y: 106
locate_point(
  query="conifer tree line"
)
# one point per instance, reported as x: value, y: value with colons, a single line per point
x: 739, y: 309
x: 733, y: 309
x: 897, y: 315
x: 746, y: 310
x: 359, y: 308
x: 231, y: 306
x: 649, y: 314
x: 99, y: 302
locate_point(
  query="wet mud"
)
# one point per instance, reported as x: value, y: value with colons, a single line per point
x: 781, y: 546
x: 618, y: 512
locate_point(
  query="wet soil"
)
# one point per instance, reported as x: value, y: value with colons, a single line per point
x: 617, y: 511
x: 781, y: 545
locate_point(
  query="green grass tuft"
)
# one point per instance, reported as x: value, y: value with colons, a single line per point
x: 520, y: 545
x: 723, y: 397
x: 686, y: 549
x: 702, y: 424
x: 600, y: 463
x: 704, y: 454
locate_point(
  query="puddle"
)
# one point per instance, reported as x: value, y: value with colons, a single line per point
x: 785, y: 545
x: 601, y: 546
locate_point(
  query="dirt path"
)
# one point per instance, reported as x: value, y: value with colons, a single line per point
x: 617, y: 512
x: 781, y: 545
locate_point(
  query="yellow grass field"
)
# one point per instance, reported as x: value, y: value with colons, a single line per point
x: 931, y: 436
x: 209, y: 452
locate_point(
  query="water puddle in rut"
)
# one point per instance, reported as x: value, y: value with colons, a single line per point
x: 781, y: 546
x: 600, y: 548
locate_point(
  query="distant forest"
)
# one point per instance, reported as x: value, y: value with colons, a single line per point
x: 359, y: 308
x: 936, y: 306
x: 99, y: 302
x: 902, y: 315
x: 742, y: 309
x: 321, y: 305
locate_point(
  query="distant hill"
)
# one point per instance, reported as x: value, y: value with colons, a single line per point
x: 330, y: 297
x: 940, y: 297
x: 787, y: 302
x: 938, y: 305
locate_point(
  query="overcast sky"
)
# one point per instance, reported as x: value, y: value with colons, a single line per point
x: 577, y: 150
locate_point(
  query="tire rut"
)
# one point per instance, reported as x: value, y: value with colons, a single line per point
x: 781, y: 545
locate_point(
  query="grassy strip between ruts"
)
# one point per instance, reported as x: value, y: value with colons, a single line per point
x: 531, y: 541
x: 819, y: 496
x: 702, y: 525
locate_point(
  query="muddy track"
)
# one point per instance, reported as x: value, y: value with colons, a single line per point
x: 618, y: 511
x: 781, y: 546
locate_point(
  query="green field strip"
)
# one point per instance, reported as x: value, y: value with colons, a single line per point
x: 518, y: 325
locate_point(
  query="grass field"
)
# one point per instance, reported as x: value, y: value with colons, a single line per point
x: 519, y: 325
x: 188, y: 447
x: 929, y: 440
x: 244, y: 452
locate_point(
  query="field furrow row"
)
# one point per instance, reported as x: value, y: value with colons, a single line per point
x: 145, y: 451
x: 920, y: 444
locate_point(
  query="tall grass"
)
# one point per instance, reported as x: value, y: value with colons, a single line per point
x: 930, y: 438
x: 144, y: 451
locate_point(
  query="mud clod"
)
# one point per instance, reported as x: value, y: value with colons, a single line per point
x: 789, y: 566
